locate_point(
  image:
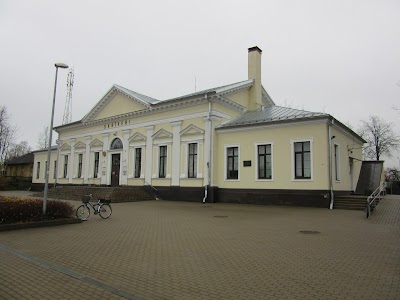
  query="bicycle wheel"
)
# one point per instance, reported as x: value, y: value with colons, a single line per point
x: 105, y: 211
x: 83, y: 212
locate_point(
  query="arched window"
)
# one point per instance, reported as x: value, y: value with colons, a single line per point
x: 116, y: 144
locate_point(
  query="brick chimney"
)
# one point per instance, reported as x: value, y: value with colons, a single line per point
x: 254, y: 65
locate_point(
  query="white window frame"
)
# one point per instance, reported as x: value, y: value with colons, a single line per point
x: 256, y: 160
x: 134, y: 162
x: 77, y: 166
x: 37, y: 169
x: 76, y: 163
x: 226, y: 162
x: 302, y: 140
x: 46, y: 169
x: 158, y: 161
x: 93, y: 165
x: 65, y: 174
x: 336, y: 157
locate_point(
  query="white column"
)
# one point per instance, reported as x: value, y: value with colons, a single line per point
x: 176, y: 152
x: 86, y: 164
x: 104, y: 159
x: 125, y: 157
x: 149, y: 154
x: 71, y: 162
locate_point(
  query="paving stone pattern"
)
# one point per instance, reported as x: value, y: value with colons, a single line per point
x: 175, y: 250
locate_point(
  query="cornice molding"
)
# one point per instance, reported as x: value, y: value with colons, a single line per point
x: 156, y: 109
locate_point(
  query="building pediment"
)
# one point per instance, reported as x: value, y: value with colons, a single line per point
x: 191, y: 130
x: 117, y: 101
x: 162, y: 134
x: 137, y: 137
x: 80, y: 145
x: 96, y: 143
x: 65, y: 147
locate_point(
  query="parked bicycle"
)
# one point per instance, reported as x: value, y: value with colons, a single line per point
x: 102, y: 207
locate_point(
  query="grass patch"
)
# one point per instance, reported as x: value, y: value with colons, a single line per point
x: 23, y: 210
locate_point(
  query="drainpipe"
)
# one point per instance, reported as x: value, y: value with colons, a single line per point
x: 209, y: 154
x: 330, y: 137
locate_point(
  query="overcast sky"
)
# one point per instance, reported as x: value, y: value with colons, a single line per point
x: 339, y: 57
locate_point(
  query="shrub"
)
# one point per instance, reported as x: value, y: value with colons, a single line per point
x: 17, y: 210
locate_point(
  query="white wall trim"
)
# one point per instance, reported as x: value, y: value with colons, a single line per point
x: 200, y: 114
x: 256, y: 160
x: 296, y: 140
x: 226, y: 161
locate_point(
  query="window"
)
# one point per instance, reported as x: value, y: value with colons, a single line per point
x: 46, y: 169
x: 65, y: 166
x: 192, y: 169
x: 232, y: 163
x: 116, y: 144
x: 302, y: 160
x: 337, y: 162
x: 55, y: 169
x: 264, y: 161
x: 38, y: 170
x: 96, y: 164
x: 138, y: 162
x: 163, y: 162
x: 80, y: 158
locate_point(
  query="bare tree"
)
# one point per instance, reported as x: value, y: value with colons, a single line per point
x: 380, y: 138
x: 7, y: 135
x: 17, y: 150
x: 43, y: 139
x: 392, y: 174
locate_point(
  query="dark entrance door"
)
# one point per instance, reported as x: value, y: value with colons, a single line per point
x: 115, y: 159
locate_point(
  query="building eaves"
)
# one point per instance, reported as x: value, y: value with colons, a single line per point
x: 55, y: 147
x: 22, y: 160
x: 271, y: 114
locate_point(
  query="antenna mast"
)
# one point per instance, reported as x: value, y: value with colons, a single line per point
x: 67, y: 118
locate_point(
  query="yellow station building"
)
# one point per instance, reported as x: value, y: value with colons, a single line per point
x: 226, y: 144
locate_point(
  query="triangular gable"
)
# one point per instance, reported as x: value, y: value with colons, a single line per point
x: 96, y: 143
x: 80, y: 145
x: 191, y: 130
x: 137, y: 137
x: 65, y: 147
x: 162, y: 134
x: 117, y: 101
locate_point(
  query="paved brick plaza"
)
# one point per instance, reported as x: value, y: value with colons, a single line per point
x: 173, y: 250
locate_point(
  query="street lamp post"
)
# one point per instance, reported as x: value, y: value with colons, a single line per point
x: 46, y: 186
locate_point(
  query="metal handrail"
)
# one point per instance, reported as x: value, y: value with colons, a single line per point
x: 155, y: 194
x: 377, y: 194
x: 150, y: 186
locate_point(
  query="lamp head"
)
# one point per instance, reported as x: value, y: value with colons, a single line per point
x: 61, y: 65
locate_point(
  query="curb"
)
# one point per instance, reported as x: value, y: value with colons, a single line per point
x: 16, y: 226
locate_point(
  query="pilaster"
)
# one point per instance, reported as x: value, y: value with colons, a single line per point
x: 176, y: 152
x: 149, y: 154
x: 106, y: 137
x: 125, y: 157
x: 86, y: 164
x: 71, y: 164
